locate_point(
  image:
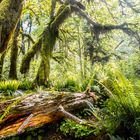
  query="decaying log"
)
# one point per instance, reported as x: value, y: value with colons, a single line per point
x: 35, y: 110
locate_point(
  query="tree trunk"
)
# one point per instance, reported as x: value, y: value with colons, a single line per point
x: 25, y: 64
x: 48, y: 42
x: 2, y: 63
x: 14, y: 54
x: 10, y: 11
x: 80, y: 53
x: 33, y: 111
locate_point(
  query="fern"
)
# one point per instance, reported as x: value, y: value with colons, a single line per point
x: 8, y: 87
x: 122, y: 107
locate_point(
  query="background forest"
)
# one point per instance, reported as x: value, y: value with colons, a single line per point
x: 86, y: 46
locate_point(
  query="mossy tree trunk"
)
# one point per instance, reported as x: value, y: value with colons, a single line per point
x: 10, y: 11
x: 14, y: 54
x: 25, y: 64
x: 48, y: 43
x: 2, y: 63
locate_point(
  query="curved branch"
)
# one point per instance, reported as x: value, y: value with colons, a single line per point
x: 25, y: 65
x: 29, y: 37
x: 99, y: 28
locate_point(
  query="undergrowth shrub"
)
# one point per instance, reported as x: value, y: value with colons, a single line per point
x: 70, y: 84
x: 71, y: 128
x: 121, y: 112
x: 8, y: 87
x: 26, y: 85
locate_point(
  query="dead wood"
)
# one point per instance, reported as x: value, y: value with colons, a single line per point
x: 36, y: 110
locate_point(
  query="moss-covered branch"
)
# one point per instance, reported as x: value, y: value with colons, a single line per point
x: 53, y: 6
x: 25, y: 65
x: 61, y: 16
x: 100, y: 28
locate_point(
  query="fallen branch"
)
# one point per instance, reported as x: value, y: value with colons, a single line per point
x: 69, y: 115
x: 24, y: 123
x: 39, y: 109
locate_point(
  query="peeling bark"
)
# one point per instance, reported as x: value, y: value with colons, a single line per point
x: 37, y: 110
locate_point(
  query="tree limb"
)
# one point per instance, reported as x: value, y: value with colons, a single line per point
x: 25, y: 64
x: 99, y: 28
x: 28, y: 36
x: 53, y: 6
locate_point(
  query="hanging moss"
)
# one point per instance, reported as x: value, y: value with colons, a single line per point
x: 46, y: 44
x: 25, y: 65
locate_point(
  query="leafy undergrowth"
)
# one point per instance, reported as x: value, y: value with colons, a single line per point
x: 121, y: 110
x: 69, y: 127
x: 8, y: 87
x: 117, y: 113
x: 11, y: 88
x: 70, y: 85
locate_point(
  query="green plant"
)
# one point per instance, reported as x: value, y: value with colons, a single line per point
x: 69, y: 127
x: 8, y: 108
x: 8, y: 87
x: 122, y: 109
x: 70, y: 84
x: 26, y: 85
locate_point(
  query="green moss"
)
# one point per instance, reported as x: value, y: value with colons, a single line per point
x: 48, y: 42
x: 61, y: 16
x: 4, y: 6
x: 10, y: 11
x: 1, y: 63
x: 14, y: 54
x: 25, y: 65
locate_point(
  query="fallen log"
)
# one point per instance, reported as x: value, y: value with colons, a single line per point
x: 35, y: 110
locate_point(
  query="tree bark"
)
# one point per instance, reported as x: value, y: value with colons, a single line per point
x: 35, y: 110
x: 25, y: 64
x: 48, y: 42
x: 1, y: 64
x: 14, y: 54
x: 10, y: 11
